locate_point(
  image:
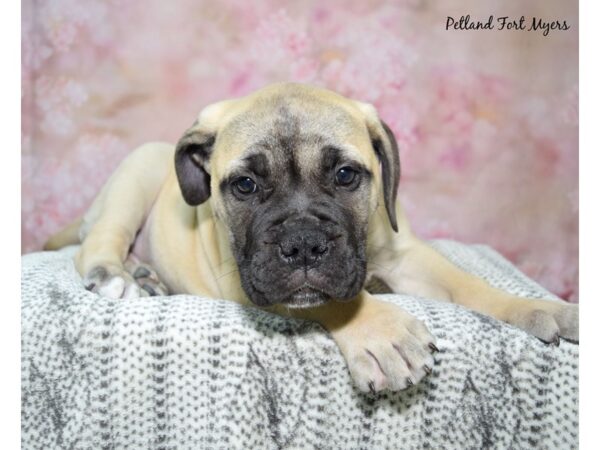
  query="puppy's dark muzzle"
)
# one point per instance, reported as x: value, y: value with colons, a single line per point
x: 304, y: 247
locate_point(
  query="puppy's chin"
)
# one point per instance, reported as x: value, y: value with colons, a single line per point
x: 306, y: 297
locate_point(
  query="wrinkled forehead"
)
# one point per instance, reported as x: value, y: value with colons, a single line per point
x: 299, y: 130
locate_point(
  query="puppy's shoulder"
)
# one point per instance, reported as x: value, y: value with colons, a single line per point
x: 154, y: 152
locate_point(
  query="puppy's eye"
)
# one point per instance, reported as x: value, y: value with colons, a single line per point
x: 345, y: 176
x: 245, y: 185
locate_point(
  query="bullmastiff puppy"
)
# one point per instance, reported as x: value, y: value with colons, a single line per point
x: 286, y: 199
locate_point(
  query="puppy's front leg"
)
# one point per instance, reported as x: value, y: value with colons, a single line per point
x: 110, y: 226
x: 384, y: 346
x: 421, y: 270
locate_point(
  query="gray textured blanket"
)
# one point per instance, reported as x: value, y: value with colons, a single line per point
x: 184, y: 372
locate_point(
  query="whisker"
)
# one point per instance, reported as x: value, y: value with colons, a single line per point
x: 226, y: 274
x: 225, y: 262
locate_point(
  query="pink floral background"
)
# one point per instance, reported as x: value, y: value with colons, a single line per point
x: 487, y: 121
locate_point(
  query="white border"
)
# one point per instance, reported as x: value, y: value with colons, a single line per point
x: 10, y: 89
x: 10, y: 179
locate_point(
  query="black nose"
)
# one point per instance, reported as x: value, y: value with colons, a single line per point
x: 303, y: 248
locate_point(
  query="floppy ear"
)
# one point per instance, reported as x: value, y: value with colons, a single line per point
x: 191, y: 159
x: 386, y: 148
x: 193, y: 152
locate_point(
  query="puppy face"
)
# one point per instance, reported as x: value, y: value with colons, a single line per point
x: 294, y: 174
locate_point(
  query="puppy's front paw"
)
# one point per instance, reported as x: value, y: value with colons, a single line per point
x: 548, y: 321
x: 145, y: 277
x: 134, y: 280
x: 112, y: 281
x: 387, y: 348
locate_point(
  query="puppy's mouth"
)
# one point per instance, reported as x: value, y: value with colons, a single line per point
x: 269, y: 279
x: 306, y: 296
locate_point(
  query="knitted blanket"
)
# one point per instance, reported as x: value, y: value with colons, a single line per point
x: 184, y: 372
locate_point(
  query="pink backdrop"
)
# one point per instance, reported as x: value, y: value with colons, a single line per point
x: 487, y: 121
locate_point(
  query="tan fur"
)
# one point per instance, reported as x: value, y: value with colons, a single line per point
x: 189, y: 246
